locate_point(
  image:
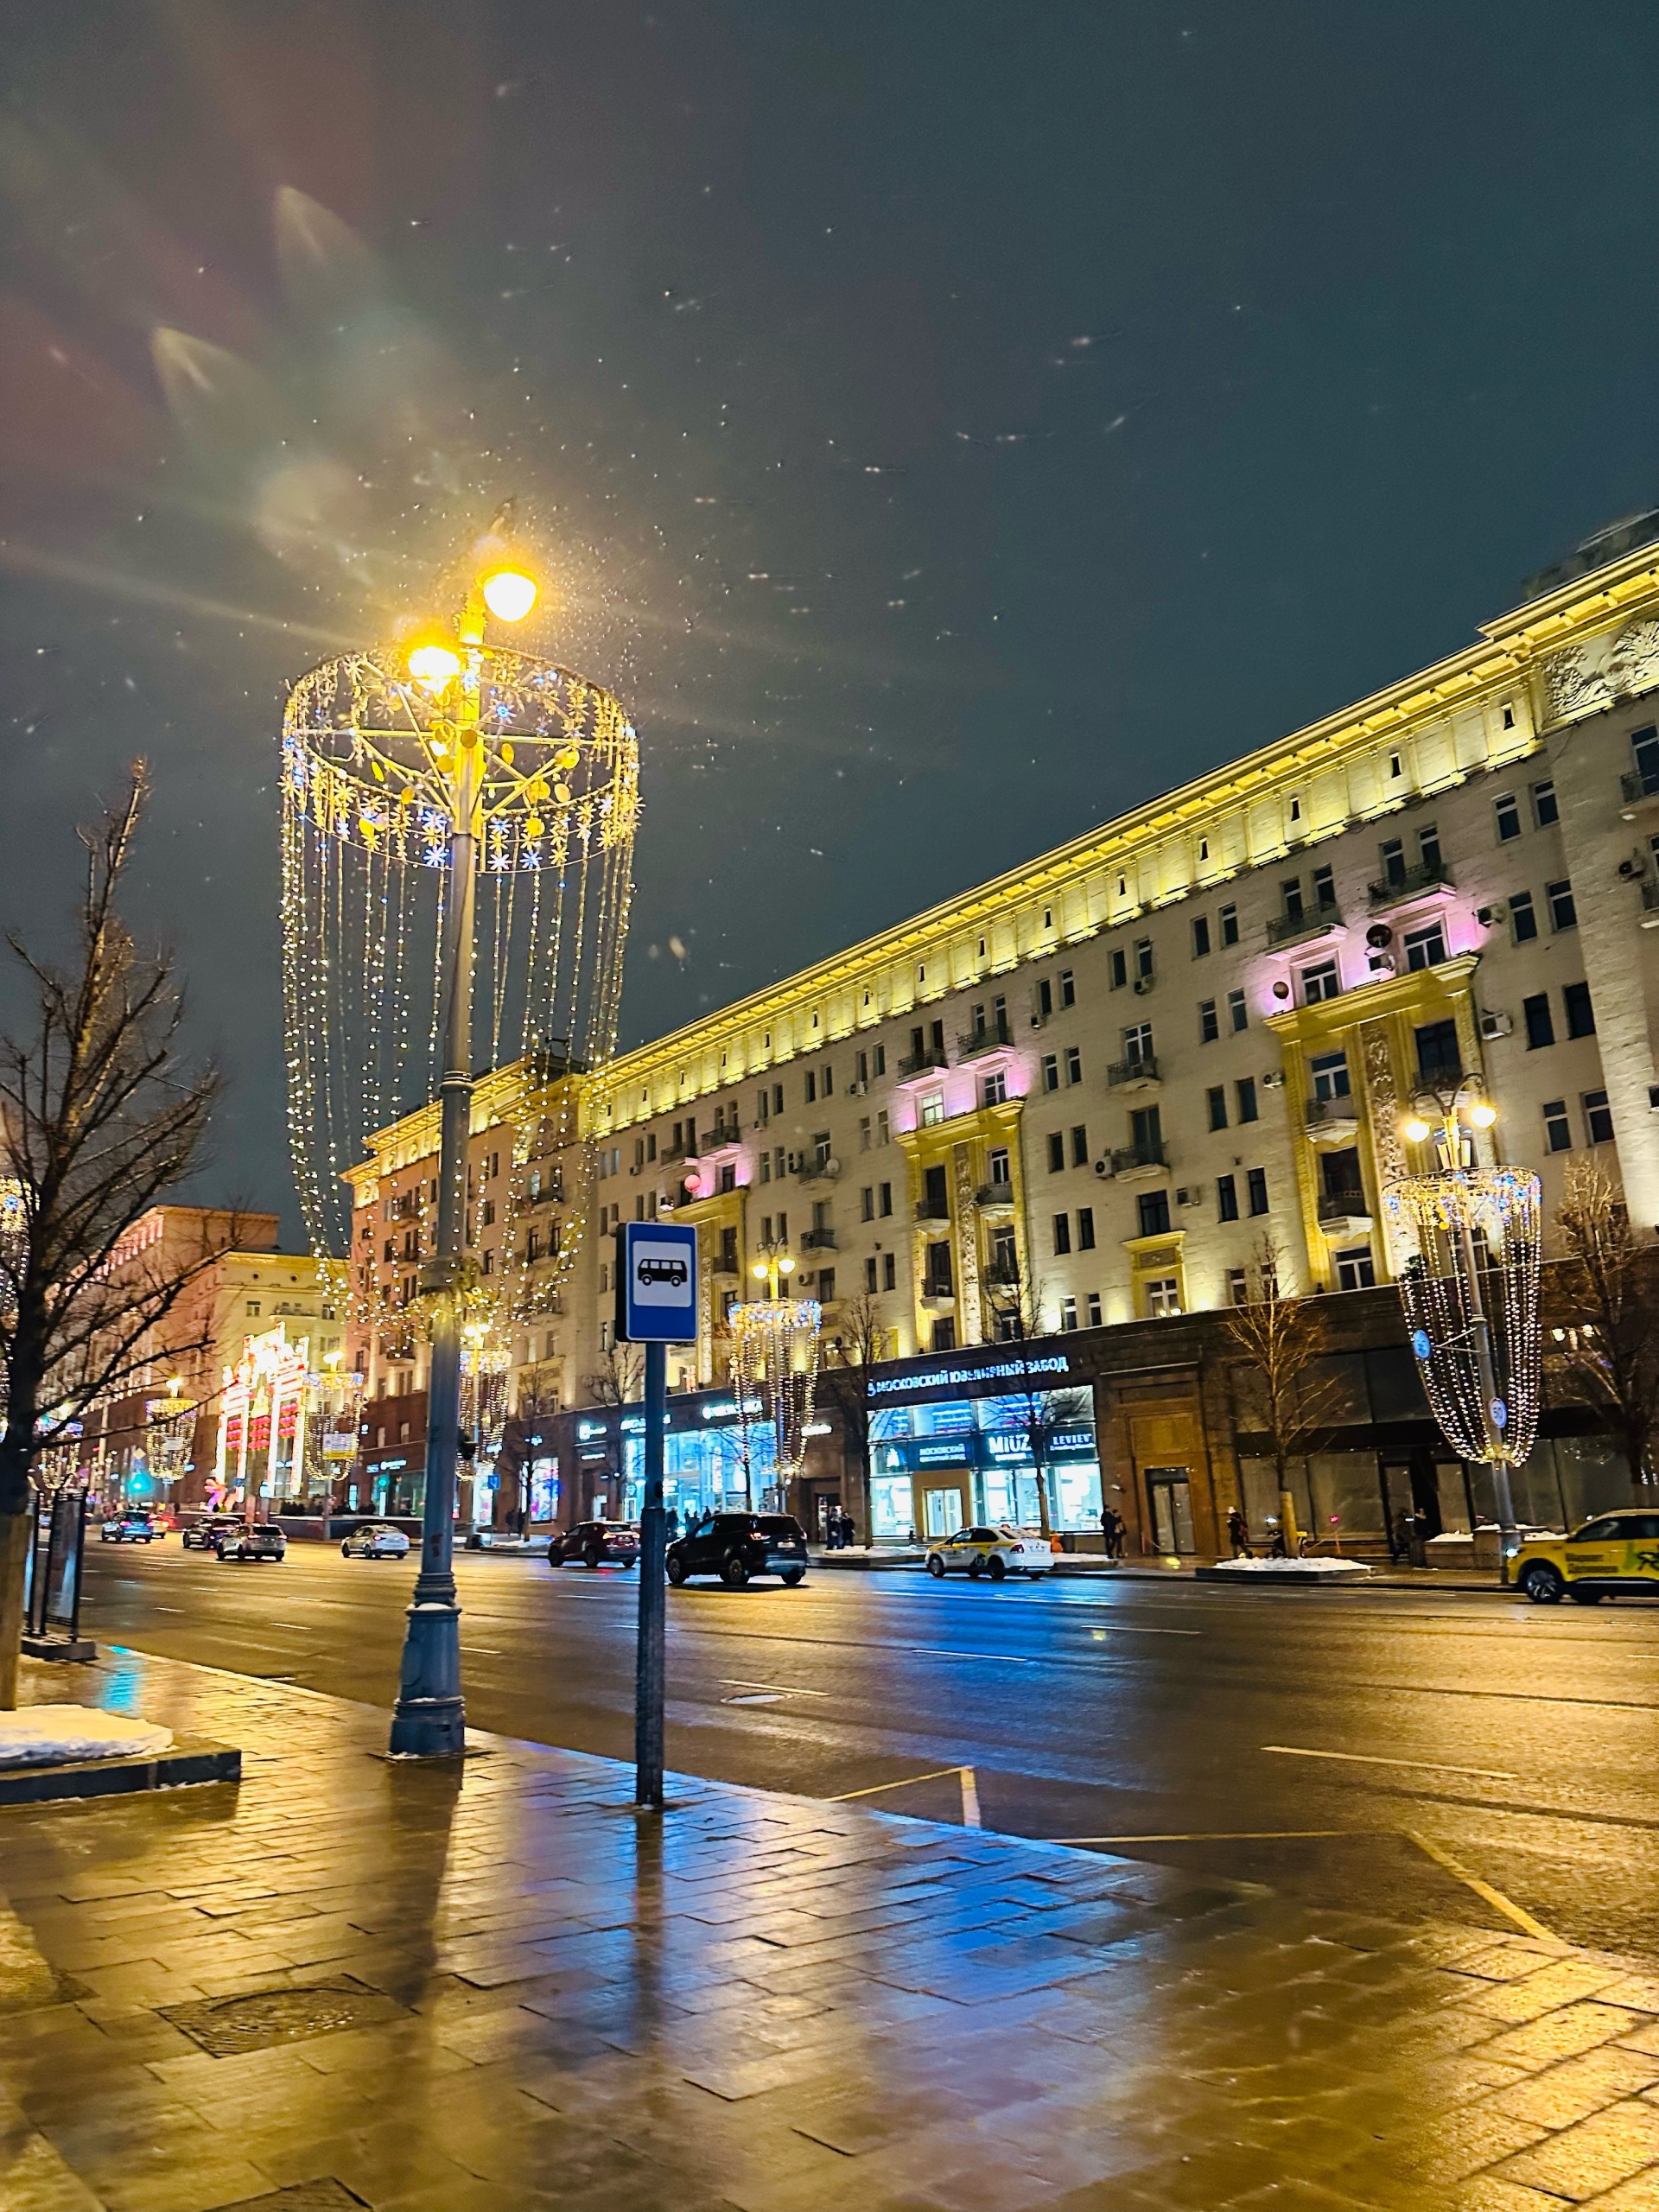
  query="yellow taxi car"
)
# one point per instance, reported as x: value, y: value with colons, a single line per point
x: 995, y: 1552
x: 1617, y: 1555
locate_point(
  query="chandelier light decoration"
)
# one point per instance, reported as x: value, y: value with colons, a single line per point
x: 369, y: 749
x: 1472, y: 1238
x: 775, y: 1370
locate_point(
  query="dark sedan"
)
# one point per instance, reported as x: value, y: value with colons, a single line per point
x: 203, y: 1535
x: 735, y: 1546
x: 596, y: 1543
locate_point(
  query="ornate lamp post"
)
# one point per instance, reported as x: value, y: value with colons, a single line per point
x: 1472, y: 1235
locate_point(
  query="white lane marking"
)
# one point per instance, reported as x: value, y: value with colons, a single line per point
x: 969, y: 1798
x: 1371, y: 1758
x: 755, y: 1697
x: 737, y: 1683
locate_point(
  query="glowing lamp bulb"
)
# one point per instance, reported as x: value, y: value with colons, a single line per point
x: 433, y: 667
x: 759, y: 1271
x: 1483, y: 1114
x: 786, y: 1266
x: 509, y: 595
x: 1416, y: 1130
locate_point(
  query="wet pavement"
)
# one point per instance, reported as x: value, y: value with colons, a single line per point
x: 1325, y: 1743
x: 492, y: 1985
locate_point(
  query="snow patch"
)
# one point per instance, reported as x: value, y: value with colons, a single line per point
x: 52, y: 1735
x: 1312, y: 1567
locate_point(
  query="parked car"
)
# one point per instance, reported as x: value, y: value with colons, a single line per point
x: 253, y: 1540
x: 375, y: 1539
x: 735, y: 1546
x: 1615, y: 1555
x: 995, y: 1553
x: 127, y: 1528
x: 596, y: 1543
x: 203, y: 1535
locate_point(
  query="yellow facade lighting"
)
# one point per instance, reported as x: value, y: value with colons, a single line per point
x: 510, y: 594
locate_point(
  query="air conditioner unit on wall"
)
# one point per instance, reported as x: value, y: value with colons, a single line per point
x: 1274, y: 1079
x: 1103, y: 1167
x: 1489, y: 917
x: 1189, y: 1194
x: 1496, y: 1025
x: 1143, y: 985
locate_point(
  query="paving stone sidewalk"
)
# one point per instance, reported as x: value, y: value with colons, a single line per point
x: 352, y: 1983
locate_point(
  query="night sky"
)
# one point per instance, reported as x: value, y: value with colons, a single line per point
x: 944, y: 423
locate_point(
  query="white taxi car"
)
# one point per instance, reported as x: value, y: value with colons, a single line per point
x: 994, y: 1553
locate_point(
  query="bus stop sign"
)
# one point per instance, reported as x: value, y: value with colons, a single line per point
x: 656, y: 1283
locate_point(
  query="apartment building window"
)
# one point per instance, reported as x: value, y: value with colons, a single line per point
x: 1094, y: 1309
x: 1056, y: 1151
x: 1080, y: 1145
x: 1581, y: 1015
x: 1044, y: 998
x: 1228, y: 917
x: 1051, y: 1071
x: 932, y: 1109
x: 1563, y: 914
x: 1644, y: 755
x: 882, y: 1133
x: 1324, y: 890
x: 866, y: 1203
x: 489, y: 1261
x: 993, y: 1088
x: 1524, y: 921
x: 996, y: 1167
x: 1200, y: 936
x: 489, y: 1213
x: 863, y: 1132
x: 1428, y: 847
x: 829, y: 1080
x: 1151, y: 1210
x: 1355, y: 1270
x: 728, y: 1176
x: 1163, y: 1298
x: 1392, y: 854
x: 811, y: 1088
x: 1291, y: 892
x: 762, y: 1107
x: 765, y: 1167
x: 1320, y: 982
x: 1244, y: 1091
x: 1557, y: 1130
x: 639, y: 1209
x: 1085, y: 1229
x: 1544, y: 809
x: 879, y: 1059
x: 889, y: 1271
x: 1068, y: 1314
x: 1237, y: 1012
x: 1426, y: 947
x: 1535, y: 1011
x: 1062, y: 1235
x: 1598, y: 1117
x: 870, y: 1283
x: 1255, y: 1183
x: 1143, y: 959
x: 1507, y: 813
x: 1227, y: 1199
x: 1147, y: 1133
x: 1216, y: 1099
x: 1439, y: 1053
x: 1137, y: 1045
x: 884, y: 1200
x: 1068, y: 987
x: 1209, y: 1022
x: 1238, y: 1286
x: 1074, y: 1064
x: 638, y: 1152
x: 862, y: 1068
x: 1330, y: 1074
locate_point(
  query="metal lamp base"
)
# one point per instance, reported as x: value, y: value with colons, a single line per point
x: 430, y: 1719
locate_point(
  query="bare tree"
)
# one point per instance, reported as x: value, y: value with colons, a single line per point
x: 99, y: 1118
x: 1609, y: 1286
x: 850, y: 1356
x: 1043, y: 1414
x: 1280, y: 1338
x: 620, y: 1378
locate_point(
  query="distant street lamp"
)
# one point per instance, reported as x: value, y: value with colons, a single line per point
x: 1470, y: 1288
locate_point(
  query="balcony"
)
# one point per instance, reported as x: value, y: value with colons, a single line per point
x: 933, y: 1210
x: 989, y: 1037
x: 1139, y: 1163
x: 1651, y: 906
x: 1637, y: 790
x: 938, y: 1290
x: 1332, y: 1120
x: 1003, y: 1274
x: 994, y: 1198
x: 671, y: 1151
x: 1342, y: 1214
x: 1140, y: 1073
x: 1318, y: 921
x: 1411, y: 883
x: 817, y: 1166
x: 925, y: 1063
x: 721, y: 1138
x: 818, y: 1240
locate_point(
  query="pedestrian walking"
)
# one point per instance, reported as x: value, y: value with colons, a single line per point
x: 671, y: 1523
x: 1238, y: 1532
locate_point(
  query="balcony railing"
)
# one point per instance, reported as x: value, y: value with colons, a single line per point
x: 1003, y: 1274
x: 938, y: 1286
x: 1427, y: 876
x: 1649, y: 897
x: 987, y: 1037
x: 818, y: 1240
x: 1321, y: 1110
x: 1128, y: 1157
x: 1141, y: 1068
x: 674, y: 1150
x: 930, y: 1057
x: 811, y: 1167
x: 993, y: 1194
x: 1638, y: 784
x: 933, y: 1210
x: 1312, y: 921
x: 1343, y: 1206
x: 717, y: 1139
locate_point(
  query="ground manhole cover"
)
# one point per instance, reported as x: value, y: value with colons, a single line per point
x: 226, y: 2026
x: 303, y: 2196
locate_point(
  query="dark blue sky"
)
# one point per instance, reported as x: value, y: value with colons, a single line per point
x: 948, y: 423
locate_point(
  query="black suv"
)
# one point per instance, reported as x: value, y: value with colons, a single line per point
x: 734, y: 1546
x: 596, y: 1541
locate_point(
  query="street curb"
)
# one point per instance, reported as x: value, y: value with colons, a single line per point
x: 193, y: 1759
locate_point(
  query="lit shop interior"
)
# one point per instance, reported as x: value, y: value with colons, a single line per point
x: 944, y: 1466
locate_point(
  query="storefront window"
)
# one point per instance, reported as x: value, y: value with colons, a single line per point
x: 544, y: 1489
x: 979, y: 1455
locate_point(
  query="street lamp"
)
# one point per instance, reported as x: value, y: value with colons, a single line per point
x: 775, y: 1346
x: 429, y: 1719
x: 1470, y: 1290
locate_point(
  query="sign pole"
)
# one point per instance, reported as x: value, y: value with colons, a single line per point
x: 648, y: 1692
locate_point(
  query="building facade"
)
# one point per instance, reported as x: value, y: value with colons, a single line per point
x: 1105, y: 1091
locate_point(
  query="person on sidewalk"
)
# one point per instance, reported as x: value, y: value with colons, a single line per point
x: 1238, y: 1532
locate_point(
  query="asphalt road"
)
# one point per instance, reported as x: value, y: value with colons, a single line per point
x: 1342, y: 1746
